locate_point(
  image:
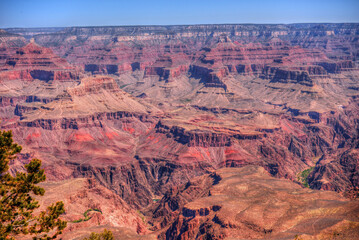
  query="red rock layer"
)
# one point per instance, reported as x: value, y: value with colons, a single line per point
x: 102, y: 207
x: 169, y: 66
x: 279, y: 62
x: 244, y: 203
x: 36, y: 62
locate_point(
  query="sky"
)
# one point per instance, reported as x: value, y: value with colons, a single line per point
x: 65, y: 13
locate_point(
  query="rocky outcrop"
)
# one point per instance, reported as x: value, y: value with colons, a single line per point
x: 169, y: 66
x: 194, y: 138
x: 35, y: 62
x: 166, y: 74
x: 75, y: 123
x: 22, y: 109
x: 223, y: 204
x: 138, y: 183
x: 273, y: 96
x: 108, y: 68
x: 10, y: 41
x: 44, y: 75
x: 11, y: 101
x: 173, y: 201
x: 5, y: 52
x: 123, y: 107
x: 249, y: 69
x: 315, y: 71
x: 337, y: 67
x: 288, y: 76
x: 89, y: 204
x: 210, y: 78
x: 202, y: 137
x: 338, y: 40
x: 276, y: 60
x: 339, y: 173
x: 32, y: 98
x: 33, y: 55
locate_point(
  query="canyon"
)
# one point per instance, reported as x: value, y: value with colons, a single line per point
x: 190, y: 132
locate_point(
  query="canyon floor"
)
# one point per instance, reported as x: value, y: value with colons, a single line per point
x: 190, y: 132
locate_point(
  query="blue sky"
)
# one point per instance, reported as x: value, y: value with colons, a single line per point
x: 63, y: 13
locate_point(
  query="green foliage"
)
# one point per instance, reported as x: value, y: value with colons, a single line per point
x: 186, y: 100
x: 303, y: 176
x: 16, y: 198
x: 86, y: 215
x: 141, y: 216
x: 105, y: 235
x: 78, y: 220
x: 8, y: 149
x: 124, y: 85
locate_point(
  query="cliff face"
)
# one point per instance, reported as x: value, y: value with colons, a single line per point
x: 145, y: 110
x: 310, y: 32
x: 288, y: 76
x: 194, y: 138
x: 103, y: 49
x: 171, y: 153
x: 102, y: 207
x: 169, y: 66
x: 35, y: 62
x: 10, y: 41
x: 337, y: 67
x: 242, y: 203
x: 329, y: 172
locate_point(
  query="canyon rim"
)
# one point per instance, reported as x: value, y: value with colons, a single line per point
x: 195, y: 131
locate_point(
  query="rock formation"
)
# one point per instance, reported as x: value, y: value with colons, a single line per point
x: 247, y: 203
x: 143, y: 111
x: 89, y: 204
x: 35, y: 62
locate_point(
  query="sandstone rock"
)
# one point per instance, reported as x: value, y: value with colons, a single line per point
x: 35, y: 62
x: 283, y: 97
x: 247, y: 203
x: 103, y: 207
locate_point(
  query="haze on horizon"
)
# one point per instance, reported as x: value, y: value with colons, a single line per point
x: 65, y: 13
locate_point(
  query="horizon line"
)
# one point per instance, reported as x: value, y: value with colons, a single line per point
x: 169, y: 25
